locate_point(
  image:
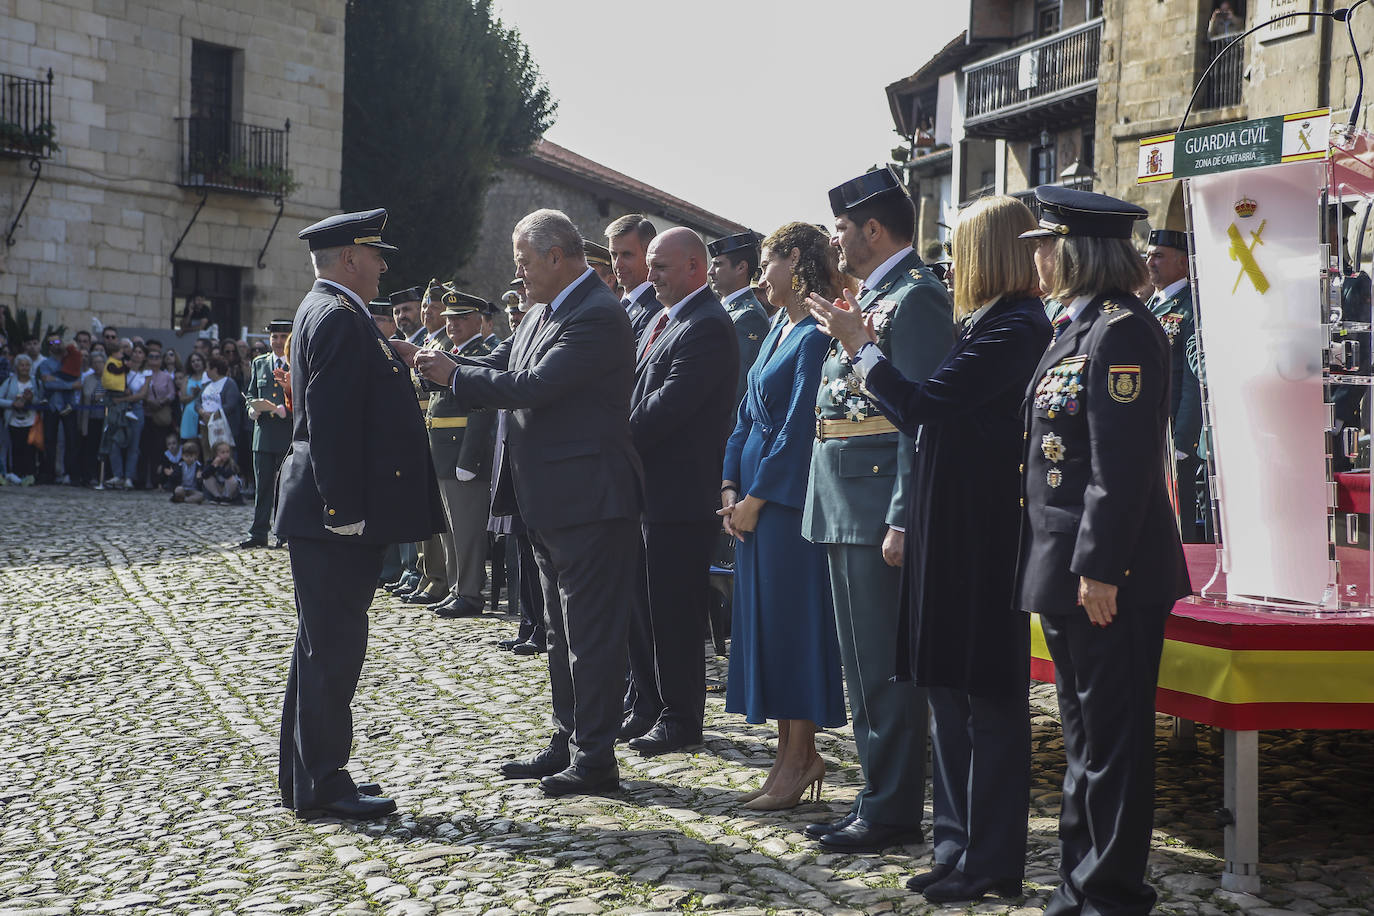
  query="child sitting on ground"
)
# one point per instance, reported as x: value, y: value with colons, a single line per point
x: 167, y: 476
x: 187, y: 481
x: 221, y: 478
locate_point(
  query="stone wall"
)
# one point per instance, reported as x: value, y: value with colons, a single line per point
x: 106, y: 214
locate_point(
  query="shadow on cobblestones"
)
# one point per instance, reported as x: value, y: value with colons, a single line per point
x: 142, y: 659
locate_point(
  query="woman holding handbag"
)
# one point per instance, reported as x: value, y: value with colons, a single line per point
x: 19, y: 396
x: 221, y: 406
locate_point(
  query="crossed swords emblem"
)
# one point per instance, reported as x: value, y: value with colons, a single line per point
x: 1245, y: 254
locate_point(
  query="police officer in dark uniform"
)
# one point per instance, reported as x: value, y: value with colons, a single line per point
x: 460, y: 442
x: 271, y: 429
x: 1100, y: 558
x: 1166, y: 262
x: 357, y: 477
x: 405, y: 314
x: 734, y: 265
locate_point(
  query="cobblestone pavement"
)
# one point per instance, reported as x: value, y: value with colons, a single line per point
x: 141, y: 664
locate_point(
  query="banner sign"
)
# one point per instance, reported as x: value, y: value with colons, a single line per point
x: 1261, y: 339
x: 1238, y: 145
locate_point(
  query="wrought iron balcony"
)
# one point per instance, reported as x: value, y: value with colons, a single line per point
x: 1227, y: 77
x: 1012, y: 93
x: 222, y: 155
x: 26, y: 128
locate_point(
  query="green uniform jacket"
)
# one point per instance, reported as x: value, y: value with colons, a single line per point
x: 751, y: 327
x: 1175, y: 315
x: 858, y: 486
x: 271, y: 433
x: 468, y: 447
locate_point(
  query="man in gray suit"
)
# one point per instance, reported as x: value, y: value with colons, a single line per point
x: 570, y: 469
x: 860, y: 515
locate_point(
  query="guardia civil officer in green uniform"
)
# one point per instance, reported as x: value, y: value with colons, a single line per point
x: 856, y: 503
x: 1166, y: 263
x: 461, y: 442
x: 271, y: 429
x: 1100, y: 558
x: 734, y: 265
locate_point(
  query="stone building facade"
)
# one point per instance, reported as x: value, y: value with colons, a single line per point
x: 591, y: 194
x: 1145, y: 85
x: 172, y: 118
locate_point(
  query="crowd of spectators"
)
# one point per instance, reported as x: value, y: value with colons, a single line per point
x: 97, y: 409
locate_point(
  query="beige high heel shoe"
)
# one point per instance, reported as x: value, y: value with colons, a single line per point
x: 749, y: 796
x: 811, y: 780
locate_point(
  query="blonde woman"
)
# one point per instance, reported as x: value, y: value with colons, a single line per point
x: 964, y: 639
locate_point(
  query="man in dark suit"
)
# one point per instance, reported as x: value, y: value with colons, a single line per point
x: 570, y: 469
x: 1100, y: 559
x: 405, y: 309
x: 629, y: 238
x: 734, y: 264
x: 681, y: 413
x: 271, y: 429
x: 859, y: 516
x: 357, y: 477
x: 405, y: 315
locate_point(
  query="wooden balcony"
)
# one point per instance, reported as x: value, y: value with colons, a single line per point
x: 1052, y: 80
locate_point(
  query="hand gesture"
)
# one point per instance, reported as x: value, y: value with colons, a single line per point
x: 843, y: 320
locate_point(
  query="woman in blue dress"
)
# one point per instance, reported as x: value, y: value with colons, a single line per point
x: 784, y: 655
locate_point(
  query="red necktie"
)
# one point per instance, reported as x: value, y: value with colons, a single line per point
x: 1060, y: 324
x: 658, y: 327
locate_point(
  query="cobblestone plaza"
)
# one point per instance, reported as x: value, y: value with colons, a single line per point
x: 141, y: 665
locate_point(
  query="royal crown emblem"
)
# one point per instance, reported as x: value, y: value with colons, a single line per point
x: 1155, y: 164
x: 1245, y: 207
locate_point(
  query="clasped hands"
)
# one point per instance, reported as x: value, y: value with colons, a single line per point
x: 427, y: 361
x: 843, y: 320
x: 738, y: 516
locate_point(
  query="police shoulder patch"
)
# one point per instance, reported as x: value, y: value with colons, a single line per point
x: 1123, y: 383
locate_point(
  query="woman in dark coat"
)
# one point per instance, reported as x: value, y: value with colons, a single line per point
x: 961, y: 635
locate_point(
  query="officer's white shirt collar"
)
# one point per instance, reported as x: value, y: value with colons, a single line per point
x: 877, y: 275
x: 634, y: 294
x: 1171, y: 290
x: 735, y: 295
x: 558, y: 300
x: 346, y: 291
x: 677, y: 309
x: 1077, y: 305
x: 460, y: 346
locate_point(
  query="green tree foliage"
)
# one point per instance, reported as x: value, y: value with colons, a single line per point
x: 436, y: 94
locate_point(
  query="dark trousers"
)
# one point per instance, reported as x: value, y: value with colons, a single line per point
x: 334, y: 583
x: 1106, y: 678
x: 524, y: 570
x: 21, y: 453
x: 52, y: 422
x: 981, y: 756
x: 587, y: 572
x: 668, y: 629
x: 89, y: 463
x: 265, y: 467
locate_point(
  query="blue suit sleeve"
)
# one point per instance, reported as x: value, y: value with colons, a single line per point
x: 784, y: 471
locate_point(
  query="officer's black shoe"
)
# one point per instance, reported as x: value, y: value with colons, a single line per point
x: 421, y: 597
x: 816, y: 831
x: 634, y: 726
x: 863, y: 835
x: 529, y: 647
x: 580, y: 780
x: 403, y: 584
x: 957, y: 886
x: 251, y: 542
x: 442, y: 602
x: 545, y: 763
x: 925, y: 879
x: 664, y: 738
x: 459, y: 607
x: 369, y: 788
x: 508, y: 644
x: 355, y: 807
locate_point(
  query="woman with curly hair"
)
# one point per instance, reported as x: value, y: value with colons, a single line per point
x: 784, y: 654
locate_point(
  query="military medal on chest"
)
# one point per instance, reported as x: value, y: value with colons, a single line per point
x: 1171, y: 323
x: 1060, y: 387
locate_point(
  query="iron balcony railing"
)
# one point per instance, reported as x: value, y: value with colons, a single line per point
x: 1059, y: 65
x: 222, y: 155
x: 26, y: 128
x: 1224, y: 82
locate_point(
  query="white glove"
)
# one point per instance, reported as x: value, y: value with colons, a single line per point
x: 464, y: 474
x: 348, y: 530
x: 1180, y: 455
